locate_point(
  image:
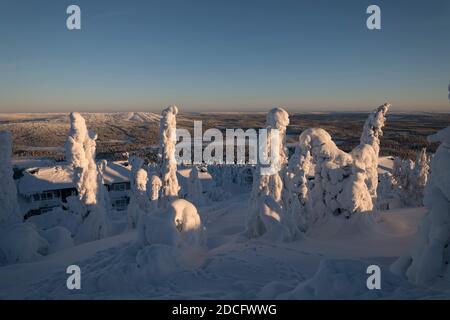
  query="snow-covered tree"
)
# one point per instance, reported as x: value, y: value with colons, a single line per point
x: 9, y: 212
x: 154, y: 186
x: 409, y: 179
x: 194, y: 192
x: 168, y: 139
x: 371, y: 134
x: 19, y: 241
x: 104, y: 199
x: 373, y: 127
x: 421, y: 169
x: 296, y: 191
x: 267, y: 214
x: 139, y: 201
x: 178, y: 225
x: 80, y: 153
x: 430, y: 260
x: 339, y: 186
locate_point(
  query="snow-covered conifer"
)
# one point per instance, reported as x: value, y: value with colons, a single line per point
x: 168, y: 139
x: 430, y: 260
x: 194, y: 188
x: 339, y: 186
x: 371, y: 134
x: 80, y: 152
x: 19, y: 242
x: 373, y: 127
x: 9, y: 212
x: 267, y: 214
x: 139, y: 201
x: 421, y: 169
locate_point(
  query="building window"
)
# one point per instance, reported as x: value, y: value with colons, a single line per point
x: 121, y: 203
x: 46, y: 196
x: 36, y: 197
x: 120, y: 186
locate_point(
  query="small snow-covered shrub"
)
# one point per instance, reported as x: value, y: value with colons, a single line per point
x: 94, y: 226
x: 194, y: 192
x: 21, y: 242
x: 58, y: 238
x: 57, y: 217
x: 409, y: 179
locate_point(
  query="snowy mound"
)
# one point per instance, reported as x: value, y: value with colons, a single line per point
x: 21, y: 243
x: 347, y: 279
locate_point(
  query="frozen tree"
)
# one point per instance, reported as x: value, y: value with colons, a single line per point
x: 409, y: 179
x: 397, y: 170
x: 386, y: 196
x: 177, y: 225
x: 168, y: 139
x: 80, y: 153
x: 339, y: 178
x: 373, y: 126
x: 296, y: 192
x: 267, y: 214
x: 366, y: 168
x: 9, y: 212
x: 155, y: 185
x: 19, y: 242
x: 421, y: 169
x: 370, y: 136
x: 139, y: 202
x: 194, y: 188
x: 430, y: 260
x: 104, y: 199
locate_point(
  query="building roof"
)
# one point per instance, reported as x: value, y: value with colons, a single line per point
x: 37, y: 180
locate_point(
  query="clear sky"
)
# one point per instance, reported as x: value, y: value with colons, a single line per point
x: 224, y: 55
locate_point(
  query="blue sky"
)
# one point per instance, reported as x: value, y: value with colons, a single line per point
x: 223, y: 55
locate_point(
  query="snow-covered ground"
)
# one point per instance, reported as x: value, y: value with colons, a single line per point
x: 232, y: 267
x: 308, y: 230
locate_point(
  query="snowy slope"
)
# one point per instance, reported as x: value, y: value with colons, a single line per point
x: 231, y: 266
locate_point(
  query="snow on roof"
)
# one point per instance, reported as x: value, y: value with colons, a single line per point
x: 60, y: 177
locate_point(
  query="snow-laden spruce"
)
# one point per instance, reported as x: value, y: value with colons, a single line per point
x: 267, y: 215
x: 430, y: 260
x: 372, y: 131
x: 421, y: 170
x: 373, y: 128
x: 296, y: 192
x: 409, y: 179
x: 139, y: 200
x: 80, y: 153
x: 177, y: 225
x: 9, y: 212
x: 154, y: 185
x: 194, y: 192
x: 339, y: 178
x: 19, y: 242
x: 168, y: 169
